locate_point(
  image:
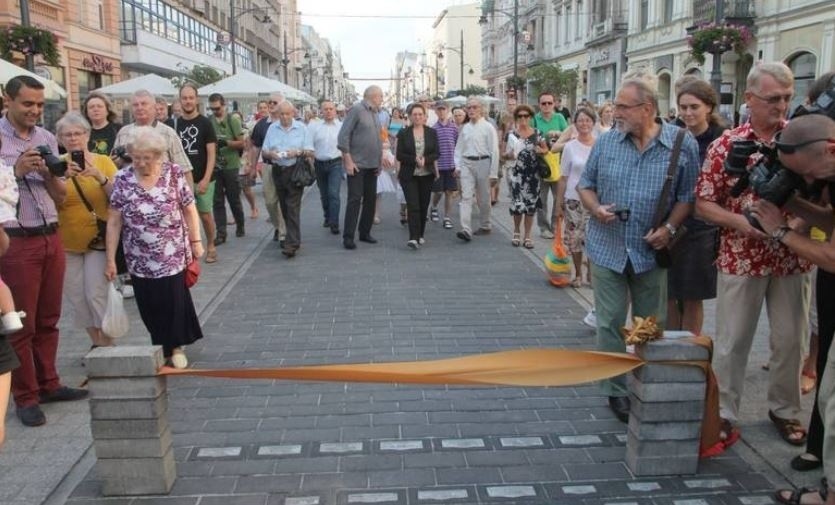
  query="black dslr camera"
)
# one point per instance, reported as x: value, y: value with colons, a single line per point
x: 55, y: 166
x: 768, y: 178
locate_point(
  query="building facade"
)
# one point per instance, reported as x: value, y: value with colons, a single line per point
x: 454, y: 53
x: 321, y: 72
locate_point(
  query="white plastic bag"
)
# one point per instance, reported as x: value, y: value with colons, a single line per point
x: 115, y: 322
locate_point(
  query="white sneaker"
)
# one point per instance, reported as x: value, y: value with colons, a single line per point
x: 591, y: 319
x: 547, y: 234
x: 178, y: 358
x: 127, y: 291
x: 413, y: 245
x: 11, y: 322
x: 421, y: 241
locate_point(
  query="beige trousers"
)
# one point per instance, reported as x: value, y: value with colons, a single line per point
x: 826, y: 405
x: 475, y: 182
x: 271, y: 200
x: 739, y: 303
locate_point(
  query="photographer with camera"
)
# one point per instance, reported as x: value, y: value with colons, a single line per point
x: 33, y: 267
x: 752, y: 267
x: 807, y: 147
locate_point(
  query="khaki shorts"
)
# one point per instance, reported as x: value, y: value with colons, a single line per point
x: 205, y: 201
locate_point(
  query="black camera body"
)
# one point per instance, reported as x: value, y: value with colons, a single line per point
x: 121, y: 152
x: 55, y: 166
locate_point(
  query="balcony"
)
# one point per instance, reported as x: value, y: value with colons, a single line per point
x: 738, y: 12
x: 609, y: 29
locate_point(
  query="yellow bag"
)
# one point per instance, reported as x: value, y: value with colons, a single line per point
x: 553, y: 161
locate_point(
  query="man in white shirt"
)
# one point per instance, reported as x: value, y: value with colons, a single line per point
x: 477, y: 165
x: 328, y: 163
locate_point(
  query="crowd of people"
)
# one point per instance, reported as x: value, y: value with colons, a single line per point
x: 647, y: 208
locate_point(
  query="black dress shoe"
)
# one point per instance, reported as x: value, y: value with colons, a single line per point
x: 369, y: 239
x: 31, y: 416
x: 335, y: 229
x: 275, y: 236
x: 281, y: 243
x: 349, y: 244
x: 620, y: 406
x: 802, y: 464
x: 220, y: 239
x: 239, y: 231
x: 325, y: 224
x: 289, y: 253
x: 63, y: 394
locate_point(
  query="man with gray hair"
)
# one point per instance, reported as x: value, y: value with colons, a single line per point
x: 143, y: 109
x: 477, y: 166
x: 362, y: 153
x: 256, y: 138
x: 621, y: 187
x: 754, y: 267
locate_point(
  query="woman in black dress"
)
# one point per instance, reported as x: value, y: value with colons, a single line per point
x: 524, y: 144
x: 417, y: 151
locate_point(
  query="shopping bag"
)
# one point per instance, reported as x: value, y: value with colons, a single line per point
x: 558, y: 261
x: 553, y: 161
x: 115, y: 322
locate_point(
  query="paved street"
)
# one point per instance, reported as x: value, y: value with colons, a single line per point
x: 260, y: 442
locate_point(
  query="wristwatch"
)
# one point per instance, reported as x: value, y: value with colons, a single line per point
x: 780, y: 232
x: 672, y: 229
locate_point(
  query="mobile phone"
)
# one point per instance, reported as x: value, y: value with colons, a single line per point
x: 78, y: 158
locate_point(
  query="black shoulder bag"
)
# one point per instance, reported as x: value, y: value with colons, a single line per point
x: 663, y: 256
x: 98, y: 243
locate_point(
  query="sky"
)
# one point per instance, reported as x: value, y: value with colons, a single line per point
x: 369, y: 45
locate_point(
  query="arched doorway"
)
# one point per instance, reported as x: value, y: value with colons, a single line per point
x: 664, y: 93
x: 803, y: 66
x: 695, y: 72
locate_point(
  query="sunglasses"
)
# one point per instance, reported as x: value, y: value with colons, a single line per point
x: 546, y: 103
x: 215, y: 109
x: 793, y: 148
x: 520, y: 116
x: 774, y: 100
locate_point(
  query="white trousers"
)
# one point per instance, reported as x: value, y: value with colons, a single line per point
x: 475, y: 182
x: 85, y: 287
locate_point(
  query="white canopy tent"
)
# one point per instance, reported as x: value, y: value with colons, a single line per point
x: 53, y: 90
x: 156, y: 85
x: 461, y: 100
x: 246, y: 84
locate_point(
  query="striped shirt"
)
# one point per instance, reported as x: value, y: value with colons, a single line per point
x: 175, y: 152
x: 36, y: 207
x: 447, y: 137
x: 623, y: 176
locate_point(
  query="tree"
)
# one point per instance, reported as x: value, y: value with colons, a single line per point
x: 198, y: 74
x: 551, y: 77
x: 472, y: 89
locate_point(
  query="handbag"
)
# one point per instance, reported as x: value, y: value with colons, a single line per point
x: 302, y: 174
x: 98, y: 243
x: 553, y: 161
x: 663, y: 256
x: 192, y: 271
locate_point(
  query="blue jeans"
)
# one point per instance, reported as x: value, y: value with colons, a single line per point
x: 329, y: 179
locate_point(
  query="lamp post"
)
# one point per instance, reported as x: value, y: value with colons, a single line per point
x: 234, y: 17
x: 716, y: 71
x: 460, y: 52
x: 515, y: 16
x: 285, y: 61
x: 24, y: 21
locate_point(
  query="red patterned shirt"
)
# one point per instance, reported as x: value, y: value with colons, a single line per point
x: 739, y: 255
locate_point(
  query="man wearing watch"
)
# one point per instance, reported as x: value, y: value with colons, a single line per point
x: 33, y: 267
x: 753, y: 268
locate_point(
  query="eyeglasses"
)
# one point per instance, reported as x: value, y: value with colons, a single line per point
x: 793, y: 148
x: 546, y: 103
x: 69, y: 135
x: 474, y: 106
x: 215, y: 109
x: 273, y: 102
x: 774, y: 100
x: 623, y: 106
x: 520, y: 116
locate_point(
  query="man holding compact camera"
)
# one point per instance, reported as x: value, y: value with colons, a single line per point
x: 753, y: 266
x: 33, y: 266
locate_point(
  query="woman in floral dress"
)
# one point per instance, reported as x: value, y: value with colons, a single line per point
x: 524, y: 144
x: 153, y: 207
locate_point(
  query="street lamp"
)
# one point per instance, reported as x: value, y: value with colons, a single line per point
x: 285, y: 61
x: 232, y: 18
x: 515, y: 16
x: 460, y: 52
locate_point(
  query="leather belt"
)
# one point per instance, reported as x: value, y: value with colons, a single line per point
x: 35, y: 231
x: 332, y: 160
x: 476, y: 158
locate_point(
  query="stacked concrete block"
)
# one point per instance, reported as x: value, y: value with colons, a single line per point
x: 129, y: 420
x: 667, y: 408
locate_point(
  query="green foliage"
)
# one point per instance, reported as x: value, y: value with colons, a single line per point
x: 552, y: 78
x: 517, y: 83
x: 472, y: 89
x: 198, y: 74
x: 29, y: 40
x: 715, y: 39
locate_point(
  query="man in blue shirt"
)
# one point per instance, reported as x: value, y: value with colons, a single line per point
x: 626, y: 170
x: 285, y: 142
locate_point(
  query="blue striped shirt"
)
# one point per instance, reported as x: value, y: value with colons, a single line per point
x: 447, y: 137
x: 622, y: 175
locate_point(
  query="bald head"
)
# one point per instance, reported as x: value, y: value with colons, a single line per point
x: 807, y: 128
x: 807, y: 147
x: 286, y: 112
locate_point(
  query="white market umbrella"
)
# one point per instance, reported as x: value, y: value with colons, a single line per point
x: 53, y: 90
x: 461, y: 100
x: 156, y: 85
x: 246, y: 84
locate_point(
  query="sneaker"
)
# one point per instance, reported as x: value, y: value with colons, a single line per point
x: 178, y: 358
x: 12, y: 322
x: 464, y: 235
x: 434, y: 216
x: 483, y: 231
x: 591, y: 319
x: 413, y: 245
x: 547, y: 234
x: 63, y: 394
x: 127, y: 291
x: 421, y: 241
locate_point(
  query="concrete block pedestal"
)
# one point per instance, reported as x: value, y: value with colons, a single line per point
x: 129, y: 420
x: 667, y: 408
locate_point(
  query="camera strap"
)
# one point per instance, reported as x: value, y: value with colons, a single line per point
x: 661, y: 208
x: 84, y: 198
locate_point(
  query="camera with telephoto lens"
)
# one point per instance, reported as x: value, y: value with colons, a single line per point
x: 121, y: 152
x: 55, y: 166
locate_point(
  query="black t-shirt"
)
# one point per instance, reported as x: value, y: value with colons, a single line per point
x: 194, y: 135
x: 566, y: 113
x: 102, y: 140
x: 259, y: 131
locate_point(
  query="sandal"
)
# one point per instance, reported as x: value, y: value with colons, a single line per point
x: 795, y: 496
x: 789, y: 429
x: 808, y: 380
x: 447, y: 223
x: 577, y: 283
x: 515, y: 242
x: 211, y: 256
x: 728, y: 433
x: 528, y: 243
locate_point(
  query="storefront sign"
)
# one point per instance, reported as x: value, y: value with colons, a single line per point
x: 97, y: 64
x: 598, y: 57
